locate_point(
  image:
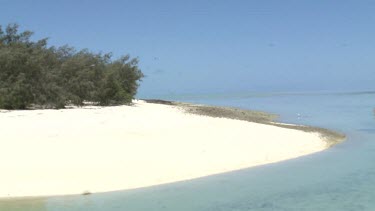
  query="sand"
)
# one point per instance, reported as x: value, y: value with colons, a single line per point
x: 98, y: 149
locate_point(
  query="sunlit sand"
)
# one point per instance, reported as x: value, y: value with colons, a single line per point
x: 94, y: 149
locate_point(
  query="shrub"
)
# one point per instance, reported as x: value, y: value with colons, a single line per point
x: 33, y: 74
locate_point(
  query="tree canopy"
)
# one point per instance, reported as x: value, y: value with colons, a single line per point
x: 33, y: 74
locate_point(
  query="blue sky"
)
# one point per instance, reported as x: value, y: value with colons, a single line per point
x: 218, y: 46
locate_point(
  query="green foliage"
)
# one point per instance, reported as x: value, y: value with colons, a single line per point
x: 33, y: 74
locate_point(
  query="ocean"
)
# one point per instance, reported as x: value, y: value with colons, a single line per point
x: 339, y: 178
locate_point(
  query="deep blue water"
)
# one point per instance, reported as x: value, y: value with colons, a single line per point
x: 340, y: 178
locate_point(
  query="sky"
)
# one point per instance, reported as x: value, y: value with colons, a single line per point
x: 218, y: 46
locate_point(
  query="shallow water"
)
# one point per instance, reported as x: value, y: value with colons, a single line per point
x: 340, y: 178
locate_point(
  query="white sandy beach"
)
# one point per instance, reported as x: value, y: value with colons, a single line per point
x: 71, y: 151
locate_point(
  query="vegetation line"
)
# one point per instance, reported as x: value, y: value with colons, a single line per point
x: 33, y: 74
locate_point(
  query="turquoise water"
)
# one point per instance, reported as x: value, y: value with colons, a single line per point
x: 340, y: 178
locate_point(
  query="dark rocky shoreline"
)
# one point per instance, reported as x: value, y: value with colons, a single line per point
x: 331, y: 137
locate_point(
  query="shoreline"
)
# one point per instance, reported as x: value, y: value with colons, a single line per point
x: 331, y: 137
x: 150, y: 143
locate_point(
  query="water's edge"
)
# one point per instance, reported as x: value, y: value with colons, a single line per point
x: 329, y: 136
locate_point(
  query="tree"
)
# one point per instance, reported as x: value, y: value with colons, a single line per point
x: 33, y: 74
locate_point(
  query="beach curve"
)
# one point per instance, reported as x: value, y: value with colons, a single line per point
x: 99, y: 149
